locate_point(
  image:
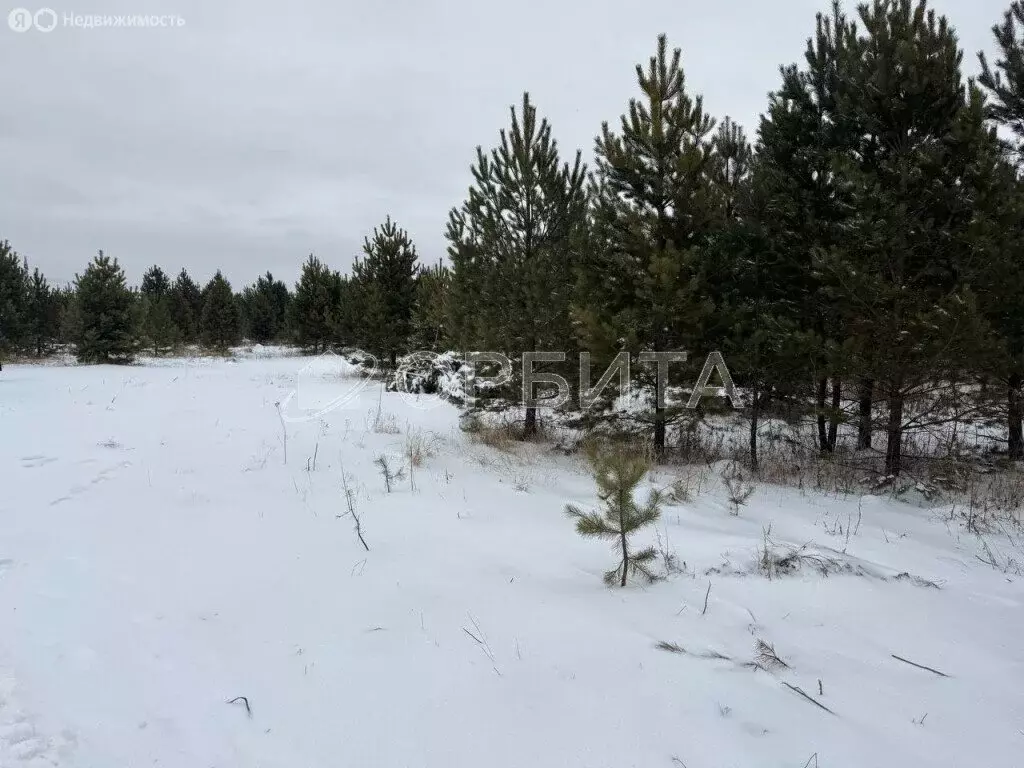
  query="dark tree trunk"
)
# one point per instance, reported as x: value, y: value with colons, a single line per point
x: 625, y: 549
x: 755, y: 412
x: 1015, y: 408
x: 659, y: 432
x: 822, y: 426
x: 864, y: 407
x: 833, y: 418
x: 894, y: 433
x: 530, y: 423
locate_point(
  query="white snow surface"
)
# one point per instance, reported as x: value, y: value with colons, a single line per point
x: 158, y: 558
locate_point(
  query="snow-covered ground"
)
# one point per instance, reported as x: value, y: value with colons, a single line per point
x: 158, y: 559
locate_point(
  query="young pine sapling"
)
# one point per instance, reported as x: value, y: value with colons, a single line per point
x: 617, y: 474
x: 391, y: 475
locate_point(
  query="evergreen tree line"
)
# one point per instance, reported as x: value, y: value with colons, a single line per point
x: 109, y: 321
x: 862, y: 259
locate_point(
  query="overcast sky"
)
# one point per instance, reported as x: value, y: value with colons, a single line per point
x: 259, y: 132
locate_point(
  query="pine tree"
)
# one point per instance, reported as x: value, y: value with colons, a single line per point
x: 806, y: 209
x: 316, y: 305
x: 157, y: 327
x: 1005, y: 82
x: 221, y: 321
x: 186, y: 307
x: 155, y: 283
x: 387, y: 282
x: 756, y: 322
x: 655, y: 208
x: 617, y: 473
x: 63, y: 299
x: 511, y: 245
x: 13, y: 298
x: 42, y: 314
x: 468, y: 311
x: 104, y: 313
x: 730, y: 171
x: 997, y: 276
x: 264, y: 308
x: 348, y: 316
x: 917, y: 159
x: 430, y: 309
x: 1001, y: 297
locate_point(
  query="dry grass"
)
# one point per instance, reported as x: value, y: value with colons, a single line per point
x: 384, y: 423
x: 505, y: 436
x: 420, y: 446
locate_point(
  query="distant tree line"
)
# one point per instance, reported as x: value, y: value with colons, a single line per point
x: 866, y: 248
x: 382, y: 306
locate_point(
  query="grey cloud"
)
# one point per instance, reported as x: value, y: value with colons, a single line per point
x: 259, y: 132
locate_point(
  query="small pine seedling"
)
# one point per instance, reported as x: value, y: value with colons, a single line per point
x: 389, y: 474
x: 617, y: 473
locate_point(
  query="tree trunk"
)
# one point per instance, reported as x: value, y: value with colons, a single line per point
x: 754, y: 414
x: 864, y: 406
x: 894, y: 433
x: 530, y: 423
x: 833, y: 419
x: 820, y: 402
x: 659, y: 432
x: 625, y: 555
x: 1015, y: 408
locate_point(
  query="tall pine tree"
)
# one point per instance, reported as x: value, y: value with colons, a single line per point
x: 155, y: 283
x: 315, y: 305
x: 511, y: 245
x: 387, y: 283
x: 656, y: 205
x: 105, y: 327
x: 805, y: 212
x: 430, y: 309
x: 264, y: 308
x: 1002, y: 294
x: 186, y: 306
x: 42, y: 313
x: 918, y: 159
x: 221, y: 320
x: 13, y: 298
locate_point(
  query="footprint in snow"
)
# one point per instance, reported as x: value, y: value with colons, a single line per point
x: 31, y: 462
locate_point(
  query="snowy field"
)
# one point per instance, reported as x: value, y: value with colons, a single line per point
x: 158, y: 559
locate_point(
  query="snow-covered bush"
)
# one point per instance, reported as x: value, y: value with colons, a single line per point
x: 428, y: 373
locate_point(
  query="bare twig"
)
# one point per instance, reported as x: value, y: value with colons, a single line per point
x: 245, y: 701
x: 480, y: 639
x: 351, y: 504
x: 706, y: 599
x: 359, y: 532
x: 919, y: 666
x: 284, y: 431
x: 799, y: 690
